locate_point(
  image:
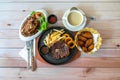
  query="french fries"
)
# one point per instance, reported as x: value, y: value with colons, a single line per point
x: 53, y: 36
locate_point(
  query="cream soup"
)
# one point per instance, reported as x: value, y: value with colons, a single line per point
x: 74, y: 18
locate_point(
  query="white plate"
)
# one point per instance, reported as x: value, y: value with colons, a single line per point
x: 74, y: 28
x: 35, y: 35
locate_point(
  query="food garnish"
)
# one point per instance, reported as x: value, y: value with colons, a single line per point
x: 41, y: 19
x: 32, y: 13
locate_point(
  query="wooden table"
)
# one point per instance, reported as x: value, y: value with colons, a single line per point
x: 102, y: 65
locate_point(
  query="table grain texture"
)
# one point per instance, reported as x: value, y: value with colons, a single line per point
x: 102, y: 65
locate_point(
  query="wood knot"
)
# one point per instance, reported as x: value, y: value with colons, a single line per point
x: 18, y: 73
x: 9, y: 24
x: 20, y: 77
x: 88, y: 70
x: 118, y: 45
x: 23, y: 10
x: 92, y: 18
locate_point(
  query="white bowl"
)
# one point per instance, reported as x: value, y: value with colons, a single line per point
x: 74, y: 28
x: 35, y: 35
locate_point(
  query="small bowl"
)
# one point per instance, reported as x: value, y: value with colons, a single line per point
x: 52, y: 19
x: 44, y: 49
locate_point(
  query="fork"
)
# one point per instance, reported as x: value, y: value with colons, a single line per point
x: 28, y: 46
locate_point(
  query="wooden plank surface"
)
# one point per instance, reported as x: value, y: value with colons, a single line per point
x: 58, y: 1
x: 17, y: 43
x: 108, y: 24
x: 13, y: 53
x: 102, y: 65
x: 105, y: 33
x: 102, y: 62
x: 62, y: 6
x: 61, y: 74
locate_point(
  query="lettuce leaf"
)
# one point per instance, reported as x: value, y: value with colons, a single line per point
x: 43, y: 24
x: 33, y: 12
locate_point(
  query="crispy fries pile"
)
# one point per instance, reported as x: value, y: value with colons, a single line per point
x: 53, y: 36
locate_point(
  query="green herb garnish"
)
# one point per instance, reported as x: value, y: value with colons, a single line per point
x: 43, y: 23
x: 44, y: 26
x: 42, y: 19
x: 33, y: 12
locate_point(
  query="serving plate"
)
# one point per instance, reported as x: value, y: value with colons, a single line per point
x: 35, y: 35
x: 47, y: 57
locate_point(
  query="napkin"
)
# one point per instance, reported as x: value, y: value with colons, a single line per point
x: 23, y: 53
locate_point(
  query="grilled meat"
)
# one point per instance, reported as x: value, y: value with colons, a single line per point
x: 30, y: 26
x: 59, y: 50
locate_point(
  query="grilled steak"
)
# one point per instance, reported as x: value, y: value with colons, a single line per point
x: 59, y: 50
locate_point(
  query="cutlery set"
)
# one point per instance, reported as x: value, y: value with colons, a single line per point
x: 31, y: 58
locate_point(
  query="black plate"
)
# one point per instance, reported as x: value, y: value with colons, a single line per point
x: 47, y: 57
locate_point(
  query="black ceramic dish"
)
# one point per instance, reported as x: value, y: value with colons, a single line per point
x: 47, y: 57
x: 52, y: 19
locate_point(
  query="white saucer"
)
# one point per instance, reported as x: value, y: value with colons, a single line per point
x: 74, y: 28
x: 35, y: 35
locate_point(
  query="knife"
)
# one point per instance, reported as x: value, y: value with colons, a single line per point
x: 33, y: 64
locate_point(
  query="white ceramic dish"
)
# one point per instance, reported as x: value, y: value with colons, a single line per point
x: 35, y: 35
x: 76, y: 28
